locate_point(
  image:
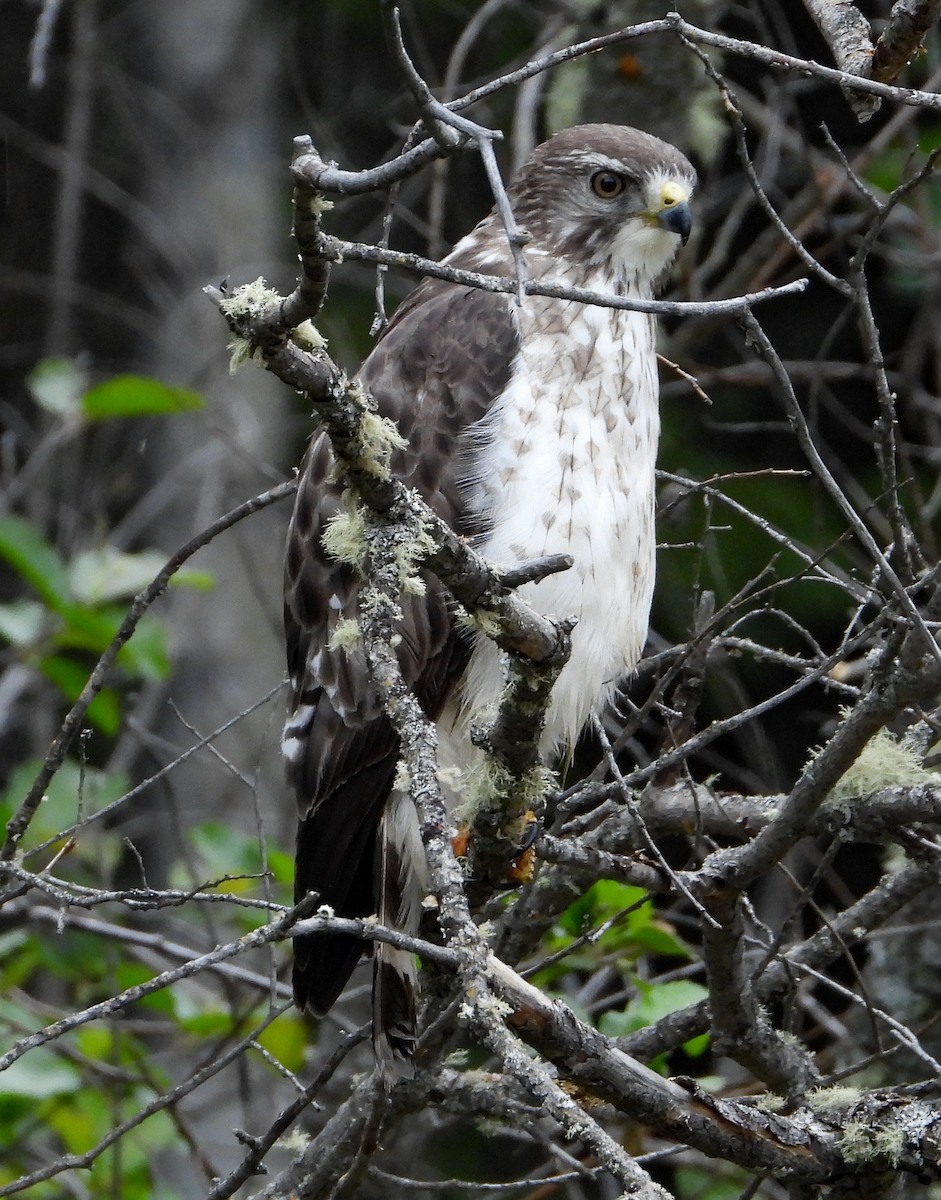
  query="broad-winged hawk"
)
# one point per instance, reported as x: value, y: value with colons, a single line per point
x: 532, y: 429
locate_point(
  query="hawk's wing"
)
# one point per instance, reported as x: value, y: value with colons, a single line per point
x: 442, y: 362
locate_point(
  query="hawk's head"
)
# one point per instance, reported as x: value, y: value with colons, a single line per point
x: 606, y: 196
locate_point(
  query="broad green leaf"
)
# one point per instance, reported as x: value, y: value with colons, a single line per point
x: 145, y: 655
x: 96, y: 1042
x: 205, y: 1023
x: 60, y: 805
x: 602, y: 900
x: 33, y: 558
x: 98, y: 576
x: 286, y: 1040
x: 652, y: 1002
x: 136, y: 396
x: 92, y: 629
x: 19, y: 954
x: 39, y: 1074
x: 81, y: 1122
x: 657, y: 937
x: 70, y: 677
x: 56, y: 384
x: 225, y: 850
x: 281, y: 866
x: 22, y: 621
x: 202, y: 581
x: 130, y: 974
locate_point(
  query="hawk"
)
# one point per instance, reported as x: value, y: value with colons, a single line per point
x: 531, y: 429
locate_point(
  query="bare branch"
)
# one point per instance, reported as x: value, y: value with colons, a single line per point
x: 903, y: 36
x: 846, y: 31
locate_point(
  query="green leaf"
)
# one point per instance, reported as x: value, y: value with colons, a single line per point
x: 202, y: 581
x: 286, y: 1040
x: 22, y: 621
x: 602, y: 900
x: 652, y: 1002
x: 39, y: 1074
x: 207, y: 1023
x: 136, y: 396
x: 129, y: 974
x: 98, y: 576
x: 144, y: 656
x: 70, y: 677
x: 225, y: 850
x: 81, y: 1122
x: 281, y: 866
x: 56, y: 384
x: 60, y: 805
x: 32, y: 557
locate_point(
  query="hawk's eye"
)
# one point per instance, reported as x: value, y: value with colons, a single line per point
x: 608, y: 184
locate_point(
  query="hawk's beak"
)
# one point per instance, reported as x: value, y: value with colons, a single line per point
x: 674, y: 213
x: 677, y: 219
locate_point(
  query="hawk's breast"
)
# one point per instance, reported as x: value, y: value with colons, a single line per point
x: 564, y: 463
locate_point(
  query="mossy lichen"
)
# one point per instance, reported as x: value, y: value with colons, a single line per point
x: 345, y: 536
x: 378, y: 437
x: 347, y: 635
x: 241, y: 351
x: 487, y: 785
x: 309, y: 337
x: 832, y: 1098
x: 408, y: 559
x: 885, y: 761
x: 863, y: 1142
x: 481, y: 621
x: 248, y: 299
x: 403, y: 777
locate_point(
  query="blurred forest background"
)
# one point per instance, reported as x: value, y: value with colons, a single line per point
x: 145, y: 155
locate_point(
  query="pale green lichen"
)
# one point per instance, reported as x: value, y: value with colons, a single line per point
x: 347, y: 635
x: 378, y: 438
x: 483, y: 622
x: 488, y: 783
x: 309, y: 337
x: 862, y: 1142
x: 408, y: 559
x: 770, y: 1103
x: 319, y: 204
x: 829, y: 1099
x: 489, y: 1006
x: 451, y: 778
x: 295, y: 1141
x: 242, y: 351
x: 885, y: 761
x: 249, y: 299
x: 345, y: 536
x: 246, y: 301
x: 403, y: 777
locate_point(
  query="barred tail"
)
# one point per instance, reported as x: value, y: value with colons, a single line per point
x: 402, y: 872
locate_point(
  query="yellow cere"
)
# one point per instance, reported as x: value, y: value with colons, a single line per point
x: 672, y: 193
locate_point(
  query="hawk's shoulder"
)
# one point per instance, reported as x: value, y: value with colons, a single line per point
x: 445, y: 358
